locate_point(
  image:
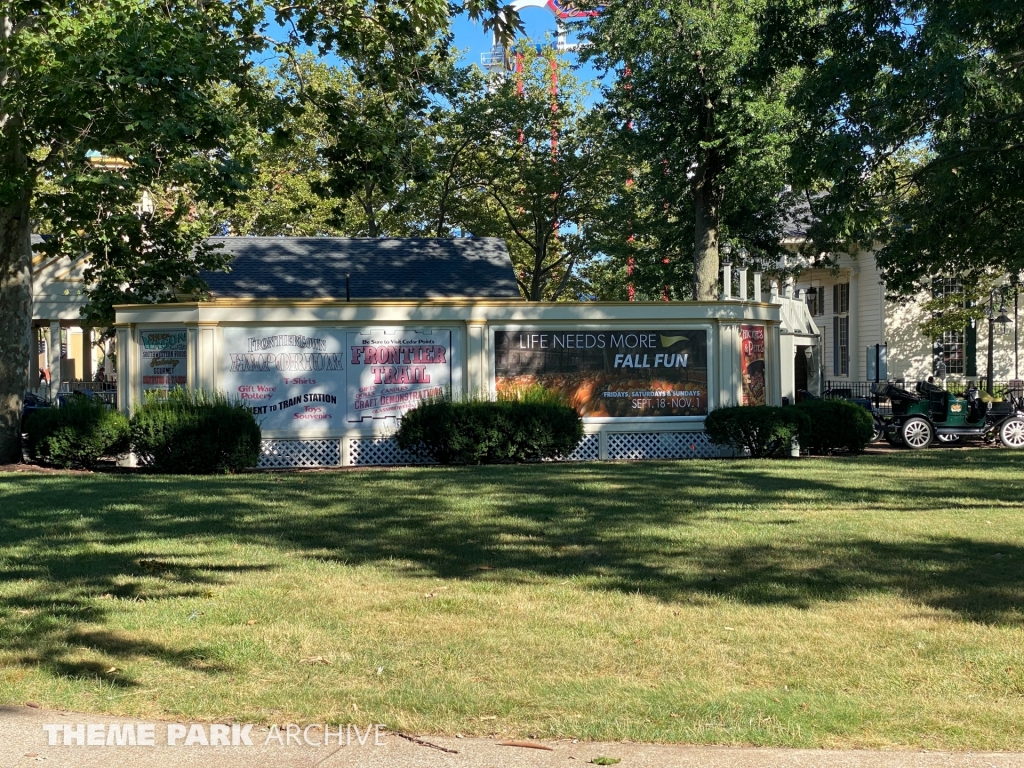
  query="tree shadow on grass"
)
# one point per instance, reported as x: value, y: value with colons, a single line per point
x: 685, y: 531
x: 65, y: 587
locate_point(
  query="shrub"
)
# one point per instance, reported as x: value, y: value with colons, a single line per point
x: 76, y: 434
x: 532, y: 393
x: 763, y: 430
x: 194, y: 433
x: 834, y: 425
x: 485, y: 432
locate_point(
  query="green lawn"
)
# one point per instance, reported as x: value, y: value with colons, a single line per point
x: 875, y: 601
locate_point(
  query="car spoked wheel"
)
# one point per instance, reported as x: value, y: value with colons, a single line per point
x: 917, y: 433
x: 949, y: 439
x: 1011, y: 434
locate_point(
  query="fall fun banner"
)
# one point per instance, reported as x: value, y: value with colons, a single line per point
x: 642, y: 373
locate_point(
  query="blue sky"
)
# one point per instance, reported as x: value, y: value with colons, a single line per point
x: 472, y: 41
x: 469, y: 34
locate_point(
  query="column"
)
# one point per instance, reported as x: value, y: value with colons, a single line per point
x: 192, y: 358
x: 773, y: 363
x: 729, y: 387
x: 86, y: 354
x: 53, y: 357
x: 124, y: 376
x: 476, y: 369
x: 207, y: 363
x: 33, y: 361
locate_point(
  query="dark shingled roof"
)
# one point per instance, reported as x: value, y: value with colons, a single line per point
x: 390, y: 268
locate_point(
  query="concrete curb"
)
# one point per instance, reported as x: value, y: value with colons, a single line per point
x: 24, y: 742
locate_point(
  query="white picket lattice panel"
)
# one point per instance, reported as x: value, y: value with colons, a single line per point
x: 291, y: 454
x: 378, y: 451
x: 661, y: 445
x: 589, y: 449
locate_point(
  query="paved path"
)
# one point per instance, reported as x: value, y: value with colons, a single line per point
x: 24, y: 742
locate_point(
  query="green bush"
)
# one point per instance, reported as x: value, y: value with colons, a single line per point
x: 76, y: 434
x: 194, y: 433
x: 834, y: 425
x: 763, y: 430
x: 484, y: 432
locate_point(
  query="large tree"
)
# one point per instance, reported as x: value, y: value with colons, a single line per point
x: 705, y: 120
x: 916, y: 118
x: 141, y: 81
x: 521, y: 158
x: 133, y: 80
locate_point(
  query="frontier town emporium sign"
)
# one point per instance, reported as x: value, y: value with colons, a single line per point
x: 642, y: 375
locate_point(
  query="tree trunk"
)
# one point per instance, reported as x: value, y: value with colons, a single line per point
x: 707, y: 205
x: 15, y: 321
x: 372, y: 228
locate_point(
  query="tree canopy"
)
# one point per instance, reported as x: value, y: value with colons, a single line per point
x: 704, y: 117
x: 916, y: 137
x: 142, y: 82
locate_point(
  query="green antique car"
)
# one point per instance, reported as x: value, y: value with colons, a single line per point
x: 933, y: 413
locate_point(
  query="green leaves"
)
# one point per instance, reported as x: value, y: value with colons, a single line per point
x: 702, y: 116
x: 914, y: 108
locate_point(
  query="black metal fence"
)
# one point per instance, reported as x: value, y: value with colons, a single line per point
x: 865, y: 390
x: 106, y: 389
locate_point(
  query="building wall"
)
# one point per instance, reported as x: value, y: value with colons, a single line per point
x: 204, y: 338
x: 877, y: 320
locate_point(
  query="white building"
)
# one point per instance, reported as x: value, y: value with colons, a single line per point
x: 866, y: 337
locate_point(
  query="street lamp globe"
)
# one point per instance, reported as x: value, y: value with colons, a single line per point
x: 726, y: 250
x: 1003, y: 321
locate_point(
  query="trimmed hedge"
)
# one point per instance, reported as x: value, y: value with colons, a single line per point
x: 77, y: 433
x: 763, y: 430
x: 194, y: 433
x: 485, y: 432
x: 834, y: 425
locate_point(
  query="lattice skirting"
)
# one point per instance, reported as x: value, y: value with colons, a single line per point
x: 384, y: 451
x: 363, y: 451
x: 299, y: 453
x: 589, y: 449
x: 661, y: 445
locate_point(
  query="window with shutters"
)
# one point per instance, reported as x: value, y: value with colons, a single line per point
x: 841, y: 345
x: 841, y: 298
x: 841, y: 329
x: 949, y: 346
x: 952, y: 351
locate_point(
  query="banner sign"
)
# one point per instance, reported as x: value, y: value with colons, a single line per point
x: 752, y: 364
x: 649, y: 373
x: 392, y: 370
x: 320, y: 379
x: 164, y: 359
x: 290, y: 379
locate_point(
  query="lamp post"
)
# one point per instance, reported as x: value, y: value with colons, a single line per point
x: 1002, y: 320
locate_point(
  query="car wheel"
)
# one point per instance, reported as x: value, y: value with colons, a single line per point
x: 950, y: 439
x: 917, y: 433
x: 1011, y: 434
x: 877, y: 433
